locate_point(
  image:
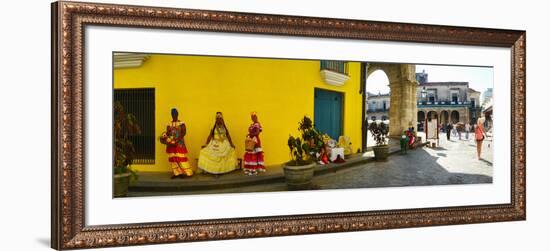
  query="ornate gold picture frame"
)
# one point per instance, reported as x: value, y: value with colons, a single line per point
x: 69, y: 20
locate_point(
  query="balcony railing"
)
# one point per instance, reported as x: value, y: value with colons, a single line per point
x: 447, y: 103
x: 335, y: 66
x: 378, y: 110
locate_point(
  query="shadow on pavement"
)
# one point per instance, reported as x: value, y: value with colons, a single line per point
x: 418, y: 168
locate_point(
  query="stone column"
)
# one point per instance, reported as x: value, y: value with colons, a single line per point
x: 464, y: 115
x: 403, y: 109
x: 396, y: 102
x: 409, y: 108
x: 414, y: 104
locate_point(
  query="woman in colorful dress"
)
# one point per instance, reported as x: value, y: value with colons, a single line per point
x: 218, y: 156
x: 254, y: 155
x: 412, y: 137
x: 175, y: 147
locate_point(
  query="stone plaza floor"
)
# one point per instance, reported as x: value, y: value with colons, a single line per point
x: 452, y: 162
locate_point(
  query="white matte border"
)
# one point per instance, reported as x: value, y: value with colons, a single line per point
x: 101, y: 209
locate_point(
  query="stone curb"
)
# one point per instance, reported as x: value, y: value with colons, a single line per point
x: 240, y: 181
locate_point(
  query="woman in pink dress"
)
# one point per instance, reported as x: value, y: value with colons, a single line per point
x: 254, y: 155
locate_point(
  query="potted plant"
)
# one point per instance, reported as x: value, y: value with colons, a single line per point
x: 124, y: 126
x: 380, y: 133
x: 303, y: 153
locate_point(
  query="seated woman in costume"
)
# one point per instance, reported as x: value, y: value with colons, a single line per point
x: 218, y: 156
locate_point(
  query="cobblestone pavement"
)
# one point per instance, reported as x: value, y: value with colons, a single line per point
x: 452, y: 162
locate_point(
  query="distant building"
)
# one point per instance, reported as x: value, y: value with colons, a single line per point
x: 487, y: 97
x: 378, y: 106
x: 487, y: 108
x: 448, y: 101
x: 422, y: 77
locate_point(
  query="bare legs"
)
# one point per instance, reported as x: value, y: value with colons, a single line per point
x: 479, y: 145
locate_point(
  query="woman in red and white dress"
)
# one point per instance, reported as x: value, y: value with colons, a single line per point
x: 175, y: 147
x: 254, y: 155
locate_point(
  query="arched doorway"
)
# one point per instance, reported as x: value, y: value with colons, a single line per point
x: 401, y: 84
x: 432, y: 115
x: 378, y: 100
x: 378, y: 82
x: 444, y: 117
x: 421, y: 116
x: 455, y: 117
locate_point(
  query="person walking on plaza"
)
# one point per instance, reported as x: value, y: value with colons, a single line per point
x: 480, y: 136
x: 467, y: 129
x: 448, y: 129
x: 454, y: 130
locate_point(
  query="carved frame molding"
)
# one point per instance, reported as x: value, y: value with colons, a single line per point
x: 68, y: 22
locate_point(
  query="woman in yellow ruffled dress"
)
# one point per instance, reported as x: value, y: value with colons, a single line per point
x: 218, y: 156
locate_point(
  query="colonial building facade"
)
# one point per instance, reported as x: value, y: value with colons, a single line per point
x: 378, y: 106
x: 487, y: 108
x: 450, y: 102
x: 280, y: 91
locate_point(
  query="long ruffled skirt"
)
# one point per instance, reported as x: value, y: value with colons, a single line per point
x: 218, y: 157
x: 254, y: 160
x: 177, y: 156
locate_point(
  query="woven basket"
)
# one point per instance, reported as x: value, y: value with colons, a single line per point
x: 249, y: 144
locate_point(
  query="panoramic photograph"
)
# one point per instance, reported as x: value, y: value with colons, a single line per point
x: 193, y: 124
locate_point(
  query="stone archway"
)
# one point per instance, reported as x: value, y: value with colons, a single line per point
x: 403, y: 103
x: 444, y: 117
x: 421, y: 116
x: 455, y: 117
x: 432, y: 115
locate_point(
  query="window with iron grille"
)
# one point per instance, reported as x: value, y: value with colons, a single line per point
x: 141, y: 103
x: 335, y: 66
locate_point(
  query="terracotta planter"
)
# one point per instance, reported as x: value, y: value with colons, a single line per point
x: 299, y: 177
x: 381, y: 152
x: 120, y: 184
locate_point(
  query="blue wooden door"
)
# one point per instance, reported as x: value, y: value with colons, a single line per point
x: 328, y: 112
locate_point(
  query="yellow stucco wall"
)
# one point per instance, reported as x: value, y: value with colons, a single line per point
x: 280, y: 91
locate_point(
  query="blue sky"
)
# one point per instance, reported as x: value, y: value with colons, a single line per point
x: 479, y: 78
